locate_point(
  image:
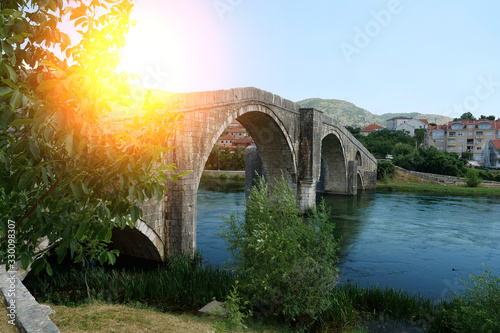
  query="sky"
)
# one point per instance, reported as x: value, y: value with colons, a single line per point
x: 434, y: 57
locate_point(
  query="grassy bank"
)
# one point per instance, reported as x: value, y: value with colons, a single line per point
x: 403, y: 182
x: 440, y: 189
x: 223, y: 176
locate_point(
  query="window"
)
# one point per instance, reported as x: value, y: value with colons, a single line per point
x: 461, y: 140
x: 479, y: 133
x: 484, y: 125
x: 478, y: 140
x: 451, y: 142
x: 461, y: 148
x: 460, y: 134
x: 451, y: 148
x: 478, y: 148
x: 457, y: 126
x: 470, y: 133
x: 452, y: 134
x: 470, y: 126
x: 489, y: 133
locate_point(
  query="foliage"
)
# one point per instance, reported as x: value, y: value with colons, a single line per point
x: 492, y: 117
x: 472, y: 178
x: 476, y: 310
x: 385, y: 169
x: 428, y: 160
x: 382, y: 142
x: 222, y: 158
x: 234, y: 318
x: 286, y: 262
x: 420, y: 135
x: 440, y: 189
x: 467, y: 155
x: 178, y: 284
x: 68, y: 172
x: 466, y: 116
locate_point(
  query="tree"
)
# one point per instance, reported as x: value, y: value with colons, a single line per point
x: 285, y: 263
x: 382, y: 142
x: 420, y: 135
x: 69, y: 172
x: 466, y: 116
x: 492, y: 117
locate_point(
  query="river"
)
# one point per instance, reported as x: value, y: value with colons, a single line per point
x: 417, y: 242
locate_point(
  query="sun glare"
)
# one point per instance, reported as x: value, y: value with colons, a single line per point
x: 173, y: 46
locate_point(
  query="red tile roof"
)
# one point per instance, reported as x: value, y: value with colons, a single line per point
x: 424, y: 121
x: 244, y: 140
x: 496, y: 143
x: 227, y: 137
x: 237, y: 130
x: 372, y: 128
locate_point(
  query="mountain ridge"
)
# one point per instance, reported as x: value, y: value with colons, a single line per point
x: 349, y: 114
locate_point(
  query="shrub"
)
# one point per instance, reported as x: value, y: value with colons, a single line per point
x: 477, y: 310
x: 472, y: 178
x: 286, y: 262
x: 385, y: 169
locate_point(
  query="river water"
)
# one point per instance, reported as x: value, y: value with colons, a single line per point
x: 417, y: 242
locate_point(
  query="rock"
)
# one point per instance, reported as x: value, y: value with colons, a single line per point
x: 213, y: 308
x: 47, y: 309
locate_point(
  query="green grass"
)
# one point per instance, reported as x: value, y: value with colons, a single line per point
x: 176, y: 286
x: 440, y: 189
x: 223, y: 176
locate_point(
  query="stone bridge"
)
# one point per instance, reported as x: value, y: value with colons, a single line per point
x: 313, y: 151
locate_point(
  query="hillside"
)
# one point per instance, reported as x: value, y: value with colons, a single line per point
x: 351, y: 115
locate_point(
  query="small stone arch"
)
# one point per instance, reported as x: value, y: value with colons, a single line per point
x: 359, y: 181
x: 333, y: 171
x: 359, y: 159
x: 140, y: 241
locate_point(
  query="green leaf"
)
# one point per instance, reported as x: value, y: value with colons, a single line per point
x: 111, y: 258
x: 20, y: 122
x: 16, y: 99
x: 34, y: 149
x: 5, y: 91
x: 81, y: 230
x: 26, y: 180
x: 40, y: 117
x: 76, y: 191
x: 25, y: 260
x: 10, y: 71
x: 69, y: 144
x: 48, y: 269
x: 135, y: 213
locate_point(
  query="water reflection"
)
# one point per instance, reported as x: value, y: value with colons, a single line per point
x: 418, y: 242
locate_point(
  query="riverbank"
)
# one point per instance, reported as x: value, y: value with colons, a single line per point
x: 223, y: 174
x: 404, y: 182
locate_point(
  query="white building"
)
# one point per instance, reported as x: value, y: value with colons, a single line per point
x: 406, y: 124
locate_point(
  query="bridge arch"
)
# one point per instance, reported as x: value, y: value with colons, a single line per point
x: 333, y: 170
x: 140, y: 242
x: 273, y: 142
x: 359, y: 181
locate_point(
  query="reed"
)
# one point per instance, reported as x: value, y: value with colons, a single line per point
x: 177, y: 285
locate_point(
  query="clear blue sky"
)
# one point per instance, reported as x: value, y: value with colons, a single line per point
x: 425, y: 56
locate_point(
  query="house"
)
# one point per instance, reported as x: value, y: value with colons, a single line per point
x: 238, y: 132
x: 226, y: 141
x: 436, y: 137
x: 370, y: 128
x: 406, y: 124
x: 463, y: 135
x: 243, y: 143
x: 491, y: 154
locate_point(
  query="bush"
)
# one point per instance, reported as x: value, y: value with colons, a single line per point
x: 286, y: 263
x: 477, y: 310
x: 385, y: 169
x: 472, y: 178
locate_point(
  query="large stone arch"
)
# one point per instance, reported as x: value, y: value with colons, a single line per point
x: 333, y: 169
x: 271, y: 138
x: 139, y: 242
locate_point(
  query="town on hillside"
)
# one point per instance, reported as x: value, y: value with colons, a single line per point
x: 480, y: 137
